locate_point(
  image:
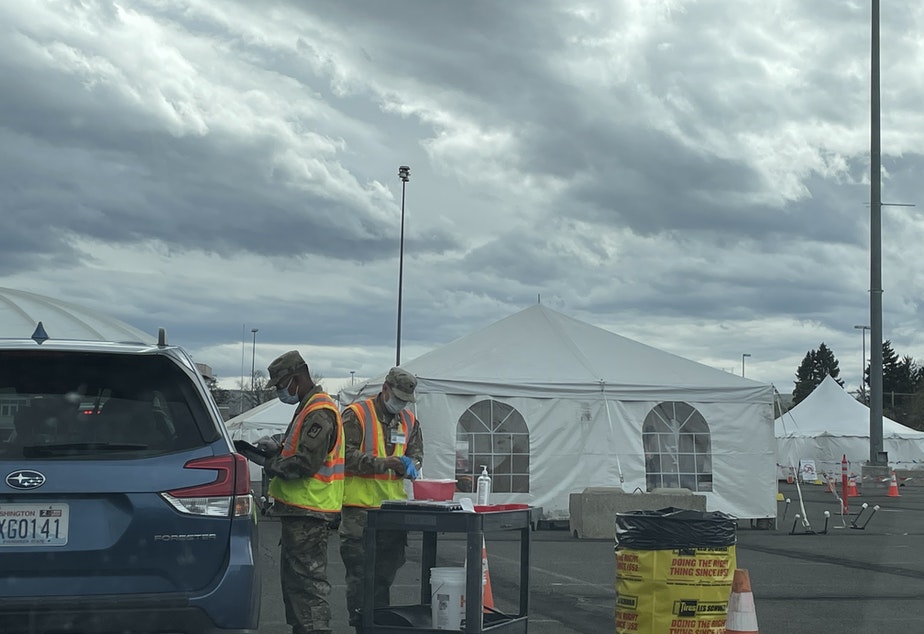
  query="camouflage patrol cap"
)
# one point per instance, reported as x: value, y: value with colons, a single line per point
x: 402, y: 384
x: 285, y: 366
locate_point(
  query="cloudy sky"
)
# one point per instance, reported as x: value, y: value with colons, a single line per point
x: 693, y: 175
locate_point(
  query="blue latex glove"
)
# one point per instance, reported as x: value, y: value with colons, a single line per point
x: 410, y: 471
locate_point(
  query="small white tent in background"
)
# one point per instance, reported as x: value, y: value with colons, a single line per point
x: 829, y: 424
x: 553, y: 405
x: 269, y: 418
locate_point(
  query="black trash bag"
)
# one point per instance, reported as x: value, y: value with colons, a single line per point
x: 670, y: 528
x: 403, y: 615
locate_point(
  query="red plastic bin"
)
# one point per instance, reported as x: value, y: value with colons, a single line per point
x: 487, y: 508
x: 440, y: 490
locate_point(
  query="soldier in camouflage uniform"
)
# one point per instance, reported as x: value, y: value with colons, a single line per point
x: 306, y: 467
x: 384, y: 445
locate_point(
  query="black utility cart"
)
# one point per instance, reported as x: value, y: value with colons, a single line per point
x: 431, y: 520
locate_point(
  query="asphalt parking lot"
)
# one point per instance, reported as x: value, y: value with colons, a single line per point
x: 864, y: 580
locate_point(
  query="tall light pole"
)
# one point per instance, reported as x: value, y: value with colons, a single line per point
x: 240, y: 399
x: 404, y: 173
x: 243, y: 335
x: 863, y: 364
x: 746, y: 354
x: 877, y: 457
x: 253, y: 356
x: 352, y: 372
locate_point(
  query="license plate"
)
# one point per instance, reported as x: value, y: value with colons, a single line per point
x: 33, y: 524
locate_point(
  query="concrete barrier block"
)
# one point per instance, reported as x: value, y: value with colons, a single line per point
x: 593, y: 511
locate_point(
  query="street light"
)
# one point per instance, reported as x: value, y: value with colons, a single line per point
x: 863, y: 364
x: 404, y: 173
x: 746, y: 354
x: 243, y: 336
x: 253, y: 356
x: 352, y: 372
x: 877, y: 456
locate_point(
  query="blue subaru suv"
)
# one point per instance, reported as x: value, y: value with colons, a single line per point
x: 123, y: 506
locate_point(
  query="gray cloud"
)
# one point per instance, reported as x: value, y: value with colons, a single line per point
x: 692, y: 174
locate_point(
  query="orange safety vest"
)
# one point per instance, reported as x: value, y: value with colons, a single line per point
x: 368, y: 490
x: 323, y: 491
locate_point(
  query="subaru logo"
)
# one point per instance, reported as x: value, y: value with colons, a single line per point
x: 25, y: 479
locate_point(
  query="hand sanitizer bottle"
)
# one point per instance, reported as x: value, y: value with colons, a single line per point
x: 484, y: 487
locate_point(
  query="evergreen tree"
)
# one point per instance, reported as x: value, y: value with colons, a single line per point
x: 804, y: 384
x: 894, y: 374
x: 902, y: 388
x: 916, y: 416
x: 815, y: 366
x: 899, y: 376
x: 827, y: 364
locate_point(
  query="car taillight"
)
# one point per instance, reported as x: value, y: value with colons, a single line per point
x: 228, y: 493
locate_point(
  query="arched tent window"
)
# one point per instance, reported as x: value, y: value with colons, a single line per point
x: 678, y: 448
x: 493, y: 433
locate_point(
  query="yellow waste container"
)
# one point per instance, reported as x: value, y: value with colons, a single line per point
x: 674, y: 571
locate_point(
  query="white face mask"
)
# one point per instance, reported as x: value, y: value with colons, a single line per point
x: 395, y: 405
x: 283, y: 395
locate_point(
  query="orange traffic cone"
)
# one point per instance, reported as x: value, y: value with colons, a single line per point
x: 488, y: 595
x: 852, y: 491
x: 742, y: 616
x: 893, y: 487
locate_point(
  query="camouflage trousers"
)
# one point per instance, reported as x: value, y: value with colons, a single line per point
x: 303, y: 570
x: 389, y: 557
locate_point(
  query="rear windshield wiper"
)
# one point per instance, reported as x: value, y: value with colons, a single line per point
x: 72, y: 448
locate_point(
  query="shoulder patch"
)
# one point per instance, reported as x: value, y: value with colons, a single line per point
x: 314, y: 430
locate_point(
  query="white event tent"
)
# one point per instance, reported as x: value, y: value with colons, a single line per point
x: 829, y: 424
x: 21, y: 311
x: 554, y: 405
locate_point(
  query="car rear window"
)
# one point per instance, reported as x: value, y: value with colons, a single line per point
x: 56, y: 404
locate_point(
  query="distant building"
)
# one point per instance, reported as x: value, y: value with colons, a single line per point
x: 206, y: 371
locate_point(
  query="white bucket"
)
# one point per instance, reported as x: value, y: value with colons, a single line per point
x: 447, y: 597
